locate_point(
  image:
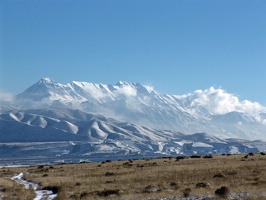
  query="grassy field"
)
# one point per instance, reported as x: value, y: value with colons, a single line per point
x: 143, y: 179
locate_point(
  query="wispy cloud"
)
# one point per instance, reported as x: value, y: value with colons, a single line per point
x: 6, y: 97
x: 127, y: 90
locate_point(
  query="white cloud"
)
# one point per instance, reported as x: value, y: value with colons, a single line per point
x: 218, y: 101
x: 126, y: 90
x: 6, y: 97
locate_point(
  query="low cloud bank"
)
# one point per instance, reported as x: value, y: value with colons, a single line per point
x: 218, y: 101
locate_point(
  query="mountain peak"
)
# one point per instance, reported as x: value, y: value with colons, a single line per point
x: 122, y: 83
x: 46, y: 80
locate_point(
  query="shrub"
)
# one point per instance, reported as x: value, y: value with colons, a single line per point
x: 126, y: 163
x: 222, y: 192
x: 174, y: 185
x: 219, y: 175
x: 208, y: 156
x: 149, y: 189
x: 180, y: 158
x: 83, y: 194
x: 109, y: 174
x: 186, y: 192
x: 202, y: 185
x: 195, y: 156
x: 54, y: 189
x: 106, y: 193
x: 2, y: 189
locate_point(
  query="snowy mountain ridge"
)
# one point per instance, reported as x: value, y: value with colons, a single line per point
x: 212, y: 111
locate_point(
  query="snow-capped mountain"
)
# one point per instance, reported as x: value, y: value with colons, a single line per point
x: 212, y: 111
x: 77, y: 120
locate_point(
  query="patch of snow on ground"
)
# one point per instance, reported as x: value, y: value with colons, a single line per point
x: 40, y: 194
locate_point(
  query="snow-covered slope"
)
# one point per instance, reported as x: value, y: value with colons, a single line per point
x: 67, y: 132
x: 212, y: 111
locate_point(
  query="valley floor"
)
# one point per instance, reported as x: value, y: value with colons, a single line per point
x: 226, y: 177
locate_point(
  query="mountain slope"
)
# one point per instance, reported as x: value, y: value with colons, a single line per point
x: 62, y: 131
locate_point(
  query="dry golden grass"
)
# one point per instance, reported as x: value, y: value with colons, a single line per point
x: 141, y: 179
x: 9, y: 189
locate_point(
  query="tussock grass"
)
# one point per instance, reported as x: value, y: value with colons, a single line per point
x: 11, y: 190
x: 149, y: 178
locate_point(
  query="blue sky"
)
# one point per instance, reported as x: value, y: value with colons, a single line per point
x: 177, y: 46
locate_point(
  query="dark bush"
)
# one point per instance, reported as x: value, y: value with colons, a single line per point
x: 180, y: 157
x: 84, y: 194
x: 149, y: 189
x: 222, y: 192
x: 219, y: 175
x: 174, y: 185
x: 186, y: 192
x: 2, y: 189
x: 109, y: 174
x: 126, y: 163
x: 262, y: 153
x: 109, y: 181
x: 202, y: 185
x: 195, y: 156
x: 54, y: 189
x: 106, y: 193
x: 208, y: 156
